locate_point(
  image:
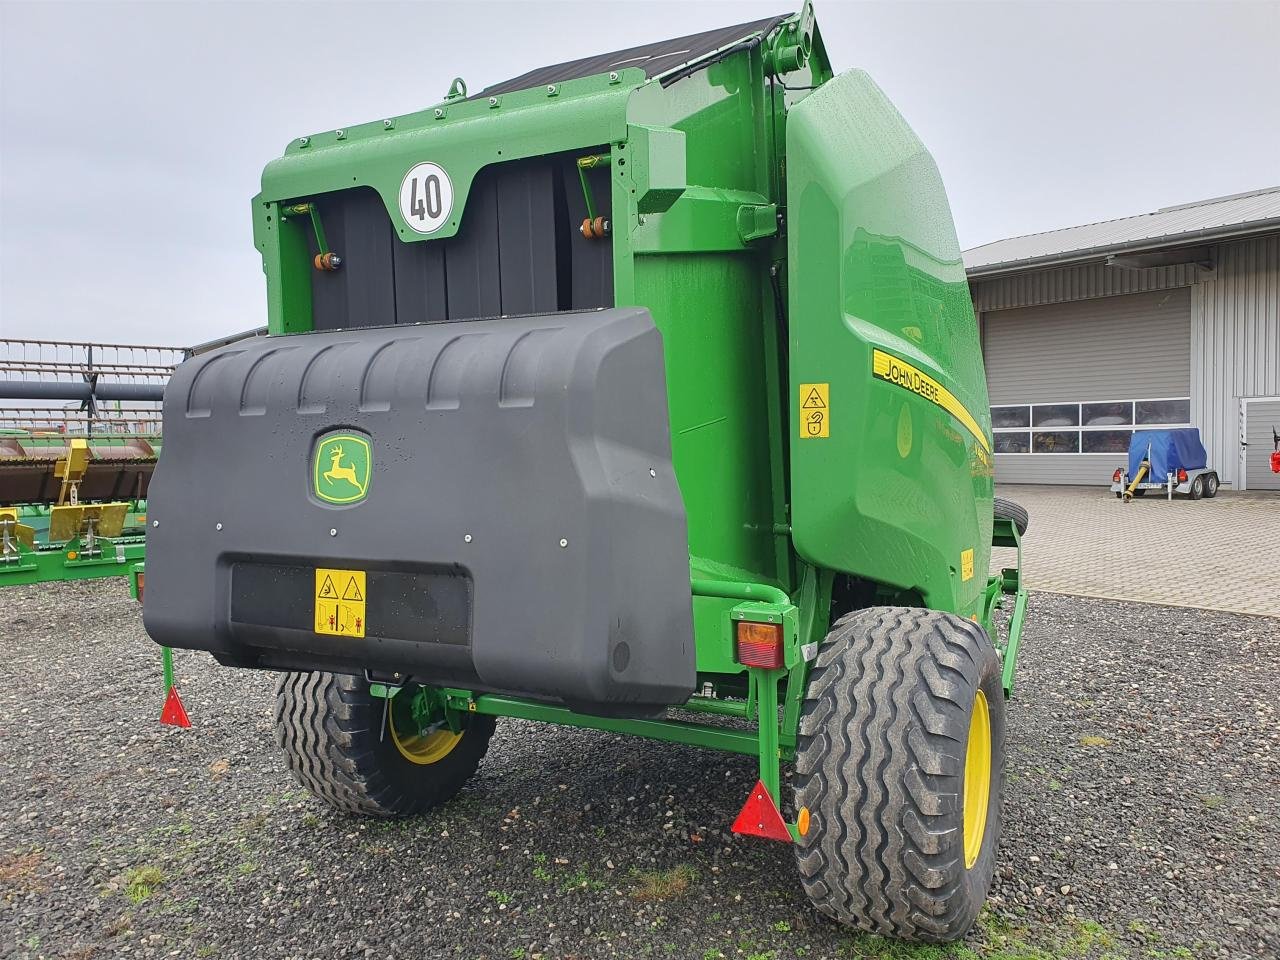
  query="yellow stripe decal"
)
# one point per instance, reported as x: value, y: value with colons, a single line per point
x: 892, y: 370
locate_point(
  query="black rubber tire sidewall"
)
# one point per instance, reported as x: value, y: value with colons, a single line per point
x: 860, y: 861
x: 1007, y: 509
x: 331, y: 729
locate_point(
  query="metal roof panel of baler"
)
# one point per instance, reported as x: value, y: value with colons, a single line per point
x: 653, y: 58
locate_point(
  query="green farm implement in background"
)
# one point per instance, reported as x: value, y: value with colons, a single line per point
x: 79, y: 437
x: 640, y: 393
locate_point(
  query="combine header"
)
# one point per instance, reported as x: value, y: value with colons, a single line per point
x: 640, y: 393
x: 78, y: 443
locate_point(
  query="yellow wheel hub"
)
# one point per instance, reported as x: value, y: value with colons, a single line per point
x: 423, y: 748
x: 977, y: 779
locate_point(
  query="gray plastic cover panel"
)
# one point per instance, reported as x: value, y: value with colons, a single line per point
x: 522, y: 529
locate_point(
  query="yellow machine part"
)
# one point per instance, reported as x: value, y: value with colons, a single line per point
x: 67, y: 522
x: 1142, y: 472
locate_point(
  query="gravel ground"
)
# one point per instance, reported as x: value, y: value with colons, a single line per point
x: 1144, y: 769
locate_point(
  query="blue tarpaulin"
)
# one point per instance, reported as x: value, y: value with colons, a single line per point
x: 1170, y: 451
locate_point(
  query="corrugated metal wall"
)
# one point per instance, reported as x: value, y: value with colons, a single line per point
x: 1235, y: 327
x: 1235, y: 343
x: 1075, y: 283
x: 1069, y: 352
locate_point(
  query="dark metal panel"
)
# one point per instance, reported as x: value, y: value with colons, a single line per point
x: 471, y: 260
x: 590, y: 261
x: 653, y: 58
x: 362, y: 292
x: 422, y: 294
x: 527, y: 237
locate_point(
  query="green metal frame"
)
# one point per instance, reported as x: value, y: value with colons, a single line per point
x: 53, y: 562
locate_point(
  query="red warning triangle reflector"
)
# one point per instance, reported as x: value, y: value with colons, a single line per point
x: 760, y: 817
x: 174, y: 714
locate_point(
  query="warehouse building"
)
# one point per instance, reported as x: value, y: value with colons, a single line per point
x: 1170, y: 318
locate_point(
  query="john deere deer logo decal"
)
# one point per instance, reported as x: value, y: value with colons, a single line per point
x: 340, y: 468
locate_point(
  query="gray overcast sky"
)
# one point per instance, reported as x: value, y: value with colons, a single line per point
x: 132, y: 135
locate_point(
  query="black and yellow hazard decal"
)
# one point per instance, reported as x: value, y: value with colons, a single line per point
x: 889, y: 368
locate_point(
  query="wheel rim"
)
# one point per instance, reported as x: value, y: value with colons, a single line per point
x: 977, y: 779
x: 423, y: 748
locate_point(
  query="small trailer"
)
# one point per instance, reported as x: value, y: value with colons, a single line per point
x: 1170, y: 460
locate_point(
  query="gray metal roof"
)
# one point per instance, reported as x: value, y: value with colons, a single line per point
x: 1215, y: 219
x: 655, y: 59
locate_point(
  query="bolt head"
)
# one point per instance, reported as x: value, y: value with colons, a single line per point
x: 467, y: 538
x: 653, y: 472
x: 388, y: 124
x: 155, y: 523
x: 439, y: 113
x: 563, y: 542
x: 551, y: 88
x: 333, y: 531
x: 303, y: 141
x: 493, y: 101
x: 613, y: 76
x: 217, y: 526
x: 340, y: 133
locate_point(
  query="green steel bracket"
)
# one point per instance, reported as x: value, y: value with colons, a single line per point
x: 655, y: 158
x: 166, y: 665
x: 790, y: 47
x: 457, y: 89
x: 302, y: 209
x: 1008, y: 583
x: 590, y: 163
x: 702, y: 220
x: 53, y: 562
x: 757, y: 221
x: 814, y: 597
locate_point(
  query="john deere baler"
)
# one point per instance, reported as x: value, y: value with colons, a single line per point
x: 641, y: 393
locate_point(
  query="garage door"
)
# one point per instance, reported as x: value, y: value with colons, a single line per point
x: 1261, y: 417
x: 1070, y: 382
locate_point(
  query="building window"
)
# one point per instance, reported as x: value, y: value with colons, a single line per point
x: 1105, y: 441
x: 1055, y: 415
x: 1005, y: 417
x: 1159, y: 412
x: 1013, y: 441
x: 1106, y: 414
x: 1095, y: 426
x: 1055, y: 441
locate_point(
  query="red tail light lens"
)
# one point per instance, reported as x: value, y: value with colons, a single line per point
x: 1115, y: 477
x: 760, y: 644
x: 1182, y: 475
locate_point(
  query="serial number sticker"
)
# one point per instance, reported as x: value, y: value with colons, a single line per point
x: 815, y: 410
x: 340, y: 602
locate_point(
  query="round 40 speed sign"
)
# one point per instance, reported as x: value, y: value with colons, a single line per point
x: 426, y: 197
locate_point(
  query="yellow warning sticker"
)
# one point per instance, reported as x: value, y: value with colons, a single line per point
x: 340, y: 602
x: 815, y: 410
x: 889, y: 368
x: 966, y: 564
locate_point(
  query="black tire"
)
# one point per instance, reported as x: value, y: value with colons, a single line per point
x: 1009, y: 510
x: 1197, y: 488
x: 331, y: 730
x: 1211, y: 484
x: 880, y: 768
